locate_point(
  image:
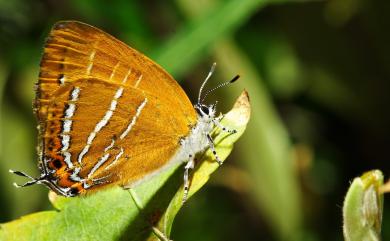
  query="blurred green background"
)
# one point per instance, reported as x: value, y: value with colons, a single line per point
x: 318, y: 76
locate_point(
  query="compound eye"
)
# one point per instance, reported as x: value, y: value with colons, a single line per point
x: 205, y: 109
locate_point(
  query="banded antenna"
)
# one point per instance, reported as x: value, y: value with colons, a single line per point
x: 219, y: 86
x: 205, y: 81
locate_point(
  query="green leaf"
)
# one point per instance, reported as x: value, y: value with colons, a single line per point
x: 363, y: 207
x: 117, y: 214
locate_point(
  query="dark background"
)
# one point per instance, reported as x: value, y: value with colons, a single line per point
x: 318, y: 74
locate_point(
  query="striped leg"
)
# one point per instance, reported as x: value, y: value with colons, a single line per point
x: 212, y: 147
x: 217, y: 122
x: 190, y: 165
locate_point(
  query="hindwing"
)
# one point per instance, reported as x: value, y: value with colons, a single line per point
x: 103, y: 106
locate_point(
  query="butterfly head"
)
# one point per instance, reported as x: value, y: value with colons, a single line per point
x: 206, y: 112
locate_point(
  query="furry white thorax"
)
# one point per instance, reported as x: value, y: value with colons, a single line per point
x: 197, y: 140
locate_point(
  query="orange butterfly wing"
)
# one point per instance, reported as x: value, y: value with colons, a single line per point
x: 104, y: 109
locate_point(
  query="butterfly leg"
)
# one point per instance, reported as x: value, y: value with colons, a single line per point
x: 212, y: 147
x: 190, y: 165
x: 217, y: 122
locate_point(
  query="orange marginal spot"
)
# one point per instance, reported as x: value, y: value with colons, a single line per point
x: 64, y: 179
x: 77, y: 188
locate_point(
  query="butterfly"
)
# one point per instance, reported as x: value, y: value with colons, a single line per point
x: 108, y: 115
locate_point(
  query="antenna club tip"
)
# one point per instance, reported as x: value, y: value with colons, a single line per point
x: 16, y: 185
x: 11, y: 171
x: 235, y: 78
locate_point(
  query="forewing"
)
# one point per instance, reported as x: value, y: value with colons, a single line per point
x: 82, y: 72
